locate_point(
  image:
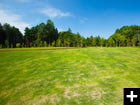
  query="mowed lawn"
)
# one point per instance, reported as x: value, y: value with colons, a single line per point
x: 84, y: 76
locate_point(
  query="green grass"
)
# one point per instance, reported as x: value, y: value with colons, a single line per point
x: 34, y: 48
x: 88, y: 76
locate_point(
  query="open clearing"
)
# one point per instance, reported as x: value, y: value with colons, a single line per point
x: 88, y: 76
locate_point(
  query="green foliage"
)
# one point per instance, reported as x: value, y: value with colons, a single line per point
x: 12, y: 46
x: 129, y: 34
x: 53, y: 44
x: 46, y: 34
x: 58, y: 42
x: 22, y: 45
x: 17, y: 45
x: 0, y: 45
x: 31, y: 44
x: 139, y: 44
x: 7, y: 43
x: 92, y: 41
x: 134, y: 40
x: 34, y: 45
x: 45, y: 44
x: 41, y: 44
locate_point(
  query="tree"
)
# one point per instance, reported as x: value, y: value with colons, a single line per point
x: 52, y: 32
x: 82, y: 42
x: 11, y: 35
x: 45, y: 44
x: 46, y: 34
x: 53, y: 44
x: 110, y: 41
x: 93, y: 41
x: 27, y: 36
x: 7, y: 29
x: 98, y: 41
x: 134, y: 40
x: 138, y: 39
x: 128, y: 33
x: 102, y: 42
x: 58, y: 42
x: 122, y: 40
x: 2, y: 36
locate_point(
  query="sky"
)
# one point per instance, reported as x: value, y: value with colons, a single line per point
x: 88, y: 17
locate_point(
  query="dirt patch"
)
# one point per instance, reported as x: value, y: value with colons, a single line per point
x: 67, y: 91
x: 76, y: 94
x: 97, y: 94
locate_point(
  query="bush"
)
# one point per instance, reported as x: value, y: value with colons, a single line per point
x: 53, y: 44
x: 31, y: 45
x: 18, y: 45
x: 22, y: 45
x: 0, y: 45
x: 7, y: 43
x: 45, y: 44
x: 139, y: 44
x: 12, y: 46
x: 34, y: 45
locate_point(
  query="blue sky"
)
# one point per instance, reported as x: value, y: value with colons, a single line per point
x: 88, y: 17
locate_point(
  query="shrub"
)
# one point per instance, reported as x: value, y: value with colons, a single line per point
x: 45, y: 44
x: 17, y: 45
x: 0, y: 45
x: 7, y: 43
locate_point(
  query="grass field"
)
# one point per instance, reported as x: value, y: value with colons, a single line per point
x: 84, y: 76
x: 34, y: 48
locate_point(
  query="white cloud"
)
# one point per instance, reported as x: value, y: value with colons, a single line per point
x: 12, y: 19
x: 53, y: 12
x: 25, y: 1
x: 83, y: 20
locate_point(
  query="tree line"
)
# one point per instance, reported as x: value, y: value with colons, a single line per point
x: 47, y: 35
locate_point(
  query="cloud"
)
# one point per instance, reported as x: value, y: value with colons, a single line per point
x: 25, y: 1
x: 83, y: 20
x: 53, y: 12
x: 12, y: 19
